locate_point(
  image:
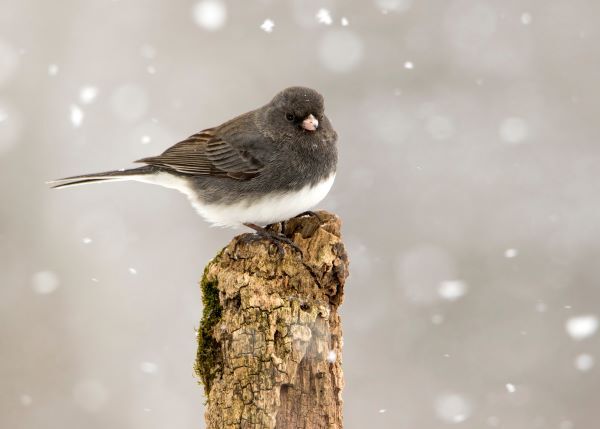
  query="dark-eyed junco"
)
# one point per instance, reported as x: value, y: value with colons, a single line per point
x: 259, y: 168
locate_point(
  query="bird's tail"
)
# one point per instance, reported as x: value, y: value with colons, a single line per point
x: 107, y: 176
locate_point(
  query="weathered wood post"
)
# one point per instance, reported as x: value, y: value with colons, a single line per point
x: 270, y: 339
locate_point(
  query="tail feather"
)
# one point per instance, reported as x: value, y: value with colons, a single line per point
x: 107, y: 176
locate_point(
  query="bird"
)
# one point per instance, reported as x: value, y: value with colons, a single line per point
x: 257, y: 169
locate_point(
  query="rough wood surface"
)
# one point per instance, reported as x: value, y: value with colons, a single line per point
x: 270, y: 340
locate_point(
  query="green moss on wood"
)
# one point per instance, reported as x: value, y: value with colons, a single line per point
x: 209, y: 360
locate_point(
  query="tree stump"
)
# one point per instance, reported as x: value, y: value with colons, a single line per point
x: 270, y: 339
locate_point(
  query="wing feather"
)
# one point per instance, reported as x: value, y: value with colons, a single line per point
x: 208, y: 154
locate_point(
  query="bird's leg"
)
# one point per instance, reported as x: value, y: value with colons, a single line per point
x: 274, y: 236
x: 310, y: 213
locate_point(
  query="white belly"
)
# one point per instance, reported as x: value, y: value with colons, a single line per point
x: 266, y: 210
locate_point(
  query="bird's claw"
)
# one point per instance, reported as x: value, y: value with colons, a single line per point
x: 310, y: 213
x: 275, y: 237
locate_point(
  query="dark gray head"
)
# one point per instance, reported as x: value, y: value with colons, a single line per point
x: 296, y: 111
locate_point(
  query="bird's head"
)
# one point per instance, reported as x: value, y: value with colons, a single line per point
x: 298, y: 110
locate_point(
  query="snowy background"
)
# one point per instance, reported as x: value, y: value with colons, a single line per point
x: 468, y: 185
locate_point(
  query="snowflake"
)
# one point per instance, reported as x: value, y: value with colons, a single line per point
x: 267, y: 25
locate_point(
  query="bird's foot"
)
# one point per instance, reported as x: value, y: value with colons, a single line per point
x: 270, y: 234
x: 310, y: 213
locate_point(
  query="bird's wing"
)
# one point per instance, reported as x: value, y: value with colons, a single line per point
x: 208, y: 154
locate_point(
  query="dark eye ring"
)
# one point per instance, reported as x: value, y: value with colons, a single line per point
x: 290, y: 117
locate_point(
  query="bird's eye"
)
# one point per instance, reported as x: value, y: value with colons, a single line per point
x: 290, y: 116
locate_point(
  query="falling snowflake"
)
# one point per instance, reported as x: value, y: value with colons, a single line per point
x: 148, y: 51
x: 88, y: 94
x: 331, y: 356
x: 52, y: 70
x: 451, y: 290
x: 510, y: 388
x: 76, y: 115
x: 344, y: 21
x: 526, y: 18
x: 584, y: 362
x: 437, y: 319
x: 267, y: 25
x: 133, y: 271
x: 148, y: 367
x: 452, y: 408
x: 510, y: 253
x: 210, y: 14
x: 409, y: 65
x: 26, y: 400
x: 581, y: 327
x: 514, y: 130
x: 45, y: 282
x: 324, y: 17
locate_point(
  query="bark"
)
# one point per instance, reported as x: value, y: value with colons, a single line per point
x: 270, y: 339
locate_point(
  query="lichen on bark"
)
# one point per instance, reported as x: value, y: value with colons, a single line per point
x: 270, y: 339
x: 209, y: 359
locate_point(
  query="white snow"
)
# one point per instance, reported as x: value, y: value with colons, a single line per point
x: 394, y: 5
x: 451, y: 290
x: 76, y: 115
x: 409, y: 65
x: 382, y: 411
x: 340, y: 51
x: 581, y: 327
x: 514, y: 130
x: 324, y: 17
x: 331, y: 356
x: 510, y: 388
x: 452, y: 408
x: 267, y: 25
x: 45, y: 282
x: 52, y: 69
x: 511, y: 253
x: 526, y: 18
x: 132, y: 270
x: 210, y: 14
x: 148, y: 51
x: 88, y: 94
x: 437, y: 319
x: 86, y: 240
x: 584, y: 362
x: 148, y: 367
x: 145, y: 139
x: 344, y: 21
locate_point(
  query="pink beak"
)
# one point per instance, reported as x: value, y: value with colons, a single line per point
x: 310, y: 123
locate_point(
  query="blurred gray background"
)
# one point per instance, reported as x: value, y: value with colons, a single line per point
x: 468, y: 186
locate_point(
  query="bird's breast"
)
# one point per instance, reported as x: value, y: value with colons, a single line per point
x: 264, y: 209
